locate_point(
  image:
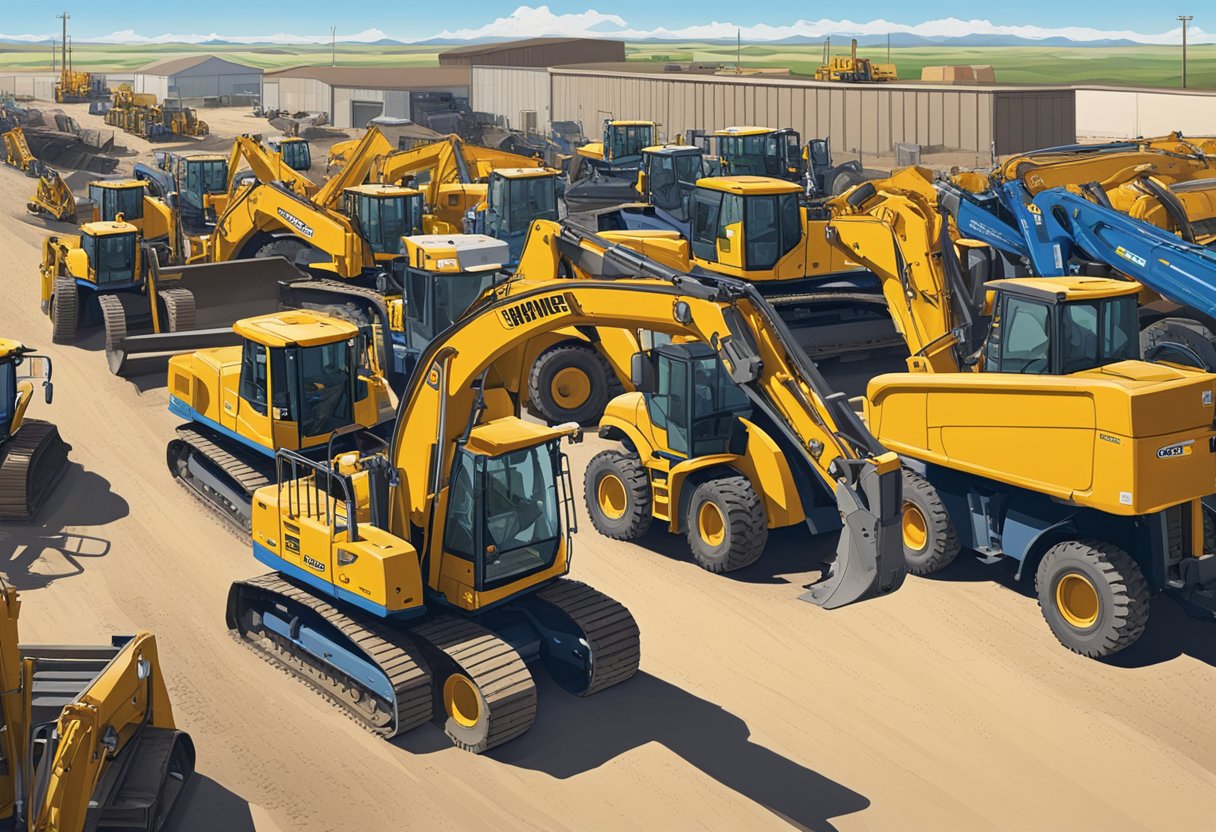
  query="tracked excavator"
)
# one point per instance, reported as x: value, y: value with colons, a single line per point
x: 32, y: 455
x: 1046, y: 441
x: 296, y: 377
x: 88, y: 736
x: 417, y: 579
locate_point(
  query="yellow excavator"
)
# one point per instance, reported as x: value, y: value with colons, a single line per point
x: 620, y: 149
x: 88, y: 736
x: 32, y: 455
x: 296, y: 377
x: 1047, y: 441
x: 416, y: 579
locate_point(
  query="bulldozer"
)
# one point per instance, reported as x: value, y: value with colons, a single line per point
x: 852, y: 69
x: 89, y: 739
x: 32, y: 455
x: 617, y: 153
x: 296, y: 377
x: 99, y: 276
x: 1048, y: 441
x: 416, y: 579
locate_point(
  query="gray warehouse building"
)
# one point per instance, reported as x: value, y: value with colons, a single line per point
x: 540, y: 52
x: 198, y: 77
x: 865, y: 118
x: 352, y: 96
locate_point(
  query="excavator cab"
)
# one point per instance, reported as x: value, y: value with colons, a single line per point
x: 296, y: 152
x: 761, y: 151
x: 118, y: 197
x: 108, y: 256
x: 383, y: 214
x: 17, y: 390
x: 1060, y: 326
x: 444, y: 276
x: 624, y: 141
x: 509, y: 492
x: 745, y: 224
x: 32, y: 456
x: 515, y: 198
x: 668, y: 175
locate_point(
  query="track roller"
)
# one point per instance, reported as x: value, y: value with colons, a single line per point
x: 373, y: 673
x: 223, y: 478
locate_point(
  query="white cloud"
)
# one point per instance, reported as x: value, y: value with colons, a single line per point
x: 537, y: 21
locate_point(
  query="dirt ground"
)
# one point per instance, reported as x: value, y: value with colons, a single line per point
x: 947, y: 706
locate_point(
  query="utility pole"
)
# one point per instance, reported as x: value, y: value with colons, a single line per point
x: 333, y: 45
x: 888, y: 47
x: 64, y: 63
x: 1184, y: 19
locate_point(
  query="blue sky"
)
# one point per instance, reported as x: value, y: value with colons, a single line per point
x: 233, y: 18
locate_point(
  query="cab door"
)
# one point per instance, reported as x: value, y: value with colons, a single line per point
x: 249, y: 405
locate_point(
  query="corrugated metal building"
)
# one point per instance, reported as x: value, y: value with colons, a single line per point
x: 521, y: 95
x: 196, y: 77
x: 352, y: 96
x: 865, y: 118
x: 535, y: 52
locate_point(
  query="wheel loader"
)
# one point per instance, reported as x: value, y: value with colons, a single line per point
x: 416, y: 580
x: 1048, y: 441
x: 89, y: 740
x: 32, y: 456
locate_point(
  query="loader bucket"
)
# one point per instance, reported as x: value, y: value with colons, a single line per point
x: 870, y: 556
x: 221, y: 293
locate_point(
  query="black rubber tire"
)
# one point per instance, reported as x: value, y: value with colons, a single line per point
x: 603, y: 383
x: 746, y: 525
x: 113, y: 321
x: 1123, y: 596
x: 285, y: 247
x: 1190, y: 334
x: 179, y: 309
x: 65, y: 311
x: 844, y: 180
x: 941, y: 540
x: 629, y: 470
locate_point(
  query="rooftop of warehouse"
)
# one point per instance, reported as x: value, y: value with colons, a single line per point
x: 380, y: 77
x: 489, y: 48
x: 170, y: 66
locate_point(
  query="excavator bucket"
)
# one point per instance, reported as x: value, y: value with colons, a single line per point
x: 869, y: 557
x: 202, y: 303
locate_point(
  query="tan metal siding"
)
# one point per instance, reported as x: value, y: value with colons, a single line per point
x: 507, y: 91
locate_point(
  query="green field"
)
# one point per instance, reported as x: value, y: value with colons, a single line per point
x: 1139, y: 65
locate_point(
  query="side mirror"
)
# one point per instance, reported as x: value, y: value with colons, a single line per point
x: 48, y: 392
x: 641, y: 373
x: 281, y: 413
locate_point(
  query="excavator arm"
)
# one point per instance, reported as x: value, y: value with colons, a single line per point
x: 448, y: 160
x: 266, y: 165
x: 358, y: 166
x: 633, y: 292
x: 894, y: 228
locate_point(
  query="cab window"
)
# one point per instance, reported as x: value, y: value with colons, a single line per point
x: 1025, y: 345
x: 706, y: 205
x: 773, y: 229
x: 253, y: 376
x: 460, y: 535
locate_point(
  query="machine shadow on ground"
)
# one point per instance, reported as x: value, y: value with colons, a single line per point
x: 573, y: 735
x: 35, y: 554
x: 206, y: 806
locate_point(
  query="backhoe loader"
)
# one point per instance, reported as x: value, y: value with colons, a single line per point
x: 416, y: 579
x: 32, y: 456
x: 295, y: 378
x: 1049, y: 442
x: 87, y: 734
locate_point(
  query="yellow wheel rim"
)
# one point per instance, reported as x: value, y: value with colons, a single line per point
x: 461, y: 700
x: 610, y: 494
x: 570, y: 388
x: 915, y: 528
x: 1077, y: 600
x: 711, y: 526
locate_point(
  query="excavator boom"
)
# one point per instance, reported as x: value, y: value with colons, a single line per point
x: 634, y: 292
